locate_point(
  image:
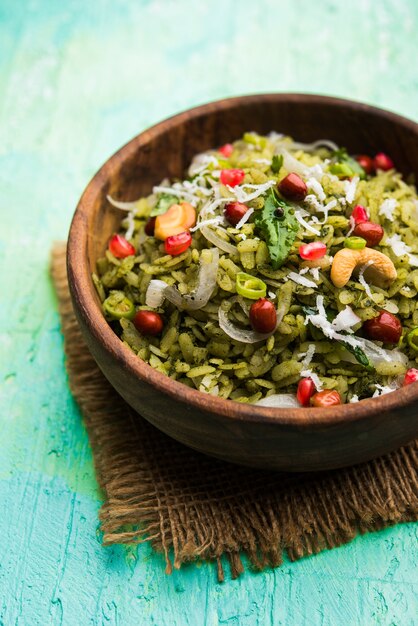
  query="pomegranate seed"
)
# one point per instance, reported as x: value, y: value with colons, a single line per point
x: 148, y: 322
x: 306, y: 389
x: 382, y: 162
x: 293, y: 187
x: 263, y: 316
x: 226, y: 150
x: 177, y: 244
x: 411, y: 376
x: 232, y: 177
x: 365, y: 162
x: 372, y: 233
x: 326, y: 398
x: 234, y: 212
x: 312, y: 251
x: 120, y: 247
x: 150, y: 226
x: 360, y: 214
x: 385, y: 327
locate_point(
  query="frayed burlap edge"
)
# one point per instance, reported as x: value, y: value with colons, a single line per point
x: 194, y: 507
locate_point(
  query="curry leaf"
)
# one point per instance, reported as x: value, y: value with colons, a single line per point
x: 360, y: 355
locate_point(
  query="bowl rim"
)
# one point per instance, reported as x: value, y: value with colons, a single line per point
x: 82, y: 288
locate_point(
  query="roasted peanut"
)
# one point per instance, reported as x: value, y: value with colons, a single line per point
x: 380, y: 270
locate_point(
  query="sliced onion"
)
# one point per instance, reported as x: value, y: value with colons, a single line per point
x: 293, y: 165
x: 206, y: 282
x: 280, y: 401
x: 243, y: 335
x: 239, y: 334
x: 378, y: 355
x: 310, y: 147
x: 190, y: 302
x: 123, y: 206
x: 211, y: 236
x: 391, y: 307
x: 244, y: 306
x: 374, y: 353
x: 208, y: 232
x: 155, y: 293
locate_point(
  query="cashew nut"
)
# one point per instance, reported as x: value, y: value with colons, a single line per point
x: 176, y: 220
x: 379, y: 271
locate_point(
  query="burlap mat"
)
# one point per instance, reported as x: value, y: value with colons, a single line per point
x: 193, y: 507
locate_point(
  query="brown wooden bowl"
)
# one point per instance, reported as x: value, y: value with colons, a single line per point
x: 286, y: 439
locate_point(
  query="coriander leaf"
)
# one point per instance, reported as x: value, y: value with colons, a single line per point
x: 279, y: 231
x: 276, y: 163
x: 164, y: 203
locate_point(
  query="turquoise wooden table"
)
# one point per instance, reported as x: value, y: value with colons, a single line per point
x: 77, y: 80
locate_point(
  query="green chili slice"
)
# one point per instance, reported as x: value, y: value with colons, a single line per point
x: 117, y: 305
x: 250, y: 286
x: 342, y: 170
x: 355, y: 243
x: 412, y: 339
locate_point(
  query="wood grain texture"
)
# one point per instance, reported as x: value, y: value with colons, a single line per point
x: 289, y: 439
x: 76, y: 82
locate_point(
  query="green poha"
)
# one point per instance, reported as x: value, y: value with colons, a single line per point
x: 275, y: 273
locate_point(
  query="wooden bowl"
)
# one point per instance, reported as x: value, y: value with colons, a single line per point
x: 286, y: 439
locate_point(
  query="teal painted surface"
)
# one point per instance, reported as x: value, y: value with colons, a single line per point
x: 77, y: 80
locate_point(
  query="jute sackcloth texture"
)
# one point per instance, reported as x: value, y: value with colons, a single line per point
x: 193, y: 507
